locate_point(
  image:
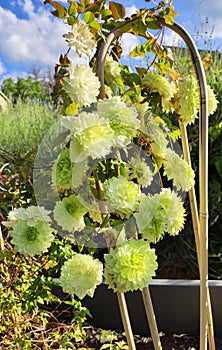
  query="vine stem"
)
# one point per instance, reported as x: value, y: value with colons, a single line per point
x: 3, y: 264
x: 2, y: 246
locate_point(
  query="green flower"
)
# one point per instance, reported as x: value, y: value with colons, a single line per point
x: 69, y: 214
x: 123, y: 119
x: 111, y: 70
x: 187, y: 99
x: 68, y: 175
x: 32, y: 240
x: 139, y: 170
x: 31, y: 232
x: 92, y: 136
x: 81, y: 39
x: 155, y: 82
x: 159, y: 214
x: 123, y: 196
x: 81, y: 274
x: 181, y: 174
x: 62, y: 170
x: 212, y: 101
x: 82, y: 85
x: 141, y: 106
x: 156, y: 131
x: 130, y: 266
x: 32, y: 215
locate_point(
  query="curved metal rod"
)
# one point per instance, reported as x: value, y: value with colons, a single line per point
x: 203, y: 163
x: 203, y: 179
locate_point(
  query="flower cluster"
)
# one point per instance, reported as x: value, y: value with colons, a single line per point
x: 158, y: 134
x: 160, y: 214
x: 187, y: 99
x: 69, y: 214
x: 62, y: 170
x: 182, y: 175
x: 212, y: 101
x: 155, y: 82
x: 139, y: 170
x: 122, y: 118
x: 81, y: 274
x: 32, y: 215
x: 111, y: 70
x: 122, y: 196
x: 92, y: 136
x: 81, y: 39
x: 82, y: 85
x: 130, y: 266
x: 30, y: 230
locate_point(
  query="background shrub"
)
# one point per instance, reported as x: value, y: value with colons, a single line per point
x: 25, y: 123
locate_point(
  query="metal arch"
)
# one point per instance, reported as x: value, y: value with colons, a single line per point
x: 203, y: 160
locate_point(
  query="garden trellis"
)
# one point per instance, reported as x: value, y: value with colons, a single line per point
x: 200, y: 222
x: 98, y: 182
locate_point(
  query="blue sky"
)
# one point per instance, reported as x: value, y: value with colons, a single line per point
x: 30, y: 37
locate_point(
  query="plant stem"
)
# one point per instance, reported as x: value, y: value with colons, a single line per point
x: 3, y: 265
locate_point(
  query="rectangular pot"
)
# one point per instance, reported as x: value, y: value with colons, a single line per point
x: 175, y: 302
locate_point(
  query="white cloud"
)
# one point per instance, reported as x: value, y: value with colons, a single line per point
x: 170, y: 38
x: 210, y: 19
x: 33, y: 41
x: 129, y: 41
x: 28, y: 7
x: 2, y: 67
x: 131, y: 10
x: 211, y: 9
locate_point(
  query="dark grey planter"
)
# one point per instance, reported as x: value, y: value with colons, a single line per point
x: 175, y: 302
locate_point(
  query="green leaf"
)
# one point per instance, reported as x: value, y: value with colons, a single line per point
x: 152, y: 23
x: 71, y: 109
x: 138, y: 28
x: 73, y: 8
x: 118, y: 10
x: 95, y: 25
x: 218, y: 166
x: 149, y: 44
x: 138, y: 51
x: 168, y: 19
x: 92, y: 7
x: 60, y: 11
x: 169, y: 14
x: 120, y: 84
x: 89, y: 17
x: 84, y: 3
x: 106, y: 13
